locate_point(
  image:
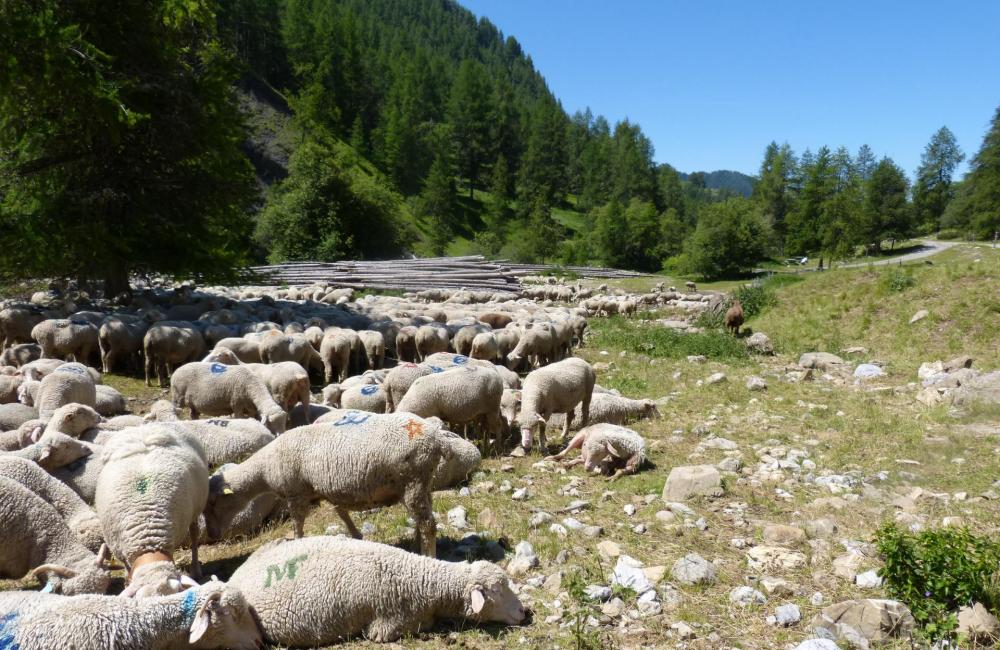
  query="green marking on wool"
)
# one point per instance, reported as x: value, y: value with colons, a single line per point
x: 142, y: 485
x: 288, y: 569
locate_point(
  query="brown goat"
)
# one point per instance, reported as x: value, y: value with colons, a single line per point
x: 734, y: 317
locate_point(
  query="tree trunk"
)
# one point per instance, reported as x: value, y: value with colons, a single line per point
x: 116, y: 281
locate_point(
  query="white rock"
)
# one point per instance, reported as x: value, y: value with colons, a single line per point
x: 755, y: 383
x: 919, y: 316
x: 716, y: 378
x: 628, y: 573
x: 745, y: 596
x: 816, y: 599
x: 868, y: 579
x: 456, y: 517
x: 693, y: 569
x: 598, y: 592
x: 787, y: 615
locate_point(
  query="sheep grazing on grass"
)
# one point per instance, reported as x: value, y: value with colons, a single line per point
x: 149, y: 495
x: 341, y: 588
x: 608, y: 449
x: 373, y: 349
x: 357, y: 462
x: 556, y: 388
x: 218, y: 389
x: 734, y: 317
x: 37, y: 539
x: 213, y: 615
x: 78, y: 516
x: 246, y: 351
x: 431, y: 339
x: 536, y: 347
x: 398, y: 381
x: 335, y: 352
x: 121, y: 342
x: 287, y: 381
x: 610, y: 409
x: 459, y: 459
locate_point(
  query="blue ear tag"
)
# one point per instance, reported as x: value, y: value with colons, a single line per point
x: 48, y: 588
x: 217, y: 368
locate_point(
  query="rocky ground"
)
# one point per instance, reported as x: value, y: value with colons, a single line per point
x: 753, y: 523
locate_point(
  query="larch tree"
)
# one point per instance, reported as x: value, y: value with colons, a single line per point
x: 934, y: 189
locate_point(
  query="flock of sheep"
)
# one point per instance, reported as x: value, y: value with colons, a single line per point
x: 415, y: 390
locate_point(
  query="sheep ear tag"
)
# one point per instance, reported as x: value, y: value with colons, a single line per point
x: 478, y: 601
x: 227, y: 490
x: 217, y: 368
x: 49, y: 587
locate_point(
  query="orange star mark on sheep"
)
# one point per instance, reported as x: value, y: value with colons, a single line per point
x: 414, y: 429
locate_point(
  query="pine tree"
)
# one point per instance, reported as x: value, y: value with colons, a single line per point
x: 933, y: 189
x: 977, y: 206
x: 865, y: 162
x: 887, y: 214
x: 471, y: 114
x: 542, y: 178
x: 773, y: 188
x: 438, y: 201
x: 805, y: 222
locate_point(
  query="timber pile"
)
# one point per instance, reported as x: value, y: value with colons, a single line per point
x: 472, y: 272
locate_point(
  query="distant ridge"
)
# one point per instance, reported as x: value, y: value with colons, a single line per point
x: 725, y: 179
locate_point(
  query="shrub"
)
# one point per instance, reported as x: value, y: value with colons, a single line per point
x: 755, y: 298
x: 936, y: 571
x: 950, y: 234
x: 897, y: 280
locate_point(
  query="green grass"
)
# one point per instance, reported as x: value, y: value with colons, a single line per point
x: 658, y: 342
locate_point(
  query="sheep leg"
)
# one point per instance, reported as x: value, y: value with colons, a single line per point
x: 345, y: 516
x: 149, y: 370
x: 542, y: 444
x: 385, y: 630
x: 575, y: 443
x: 566, y: 425
x: 195, y: 564
x: 631, y: 467
x: 417, y: 499
x: 298, y: 509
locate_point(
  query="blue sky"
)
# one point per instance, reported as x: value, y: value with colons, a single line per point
x: 712, y: 83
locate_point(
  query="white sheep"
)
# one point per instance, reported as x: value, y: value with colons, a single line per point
x: 359, y: 461
x: 287, y: 381
x: 335, y: 352
x: 149, y: 495
x: 373, y: 348
x: 108, y: 401
x: 170, y: 344
x: 341, y: 588
x: 61, y: 338
x: 213, y: 615
x: 69, y: 383
x: 35, y: 538
x: 459, y: 458
x: 430, y: 339
x: 556, y: 388
x: 485, y: 346
x: 607, y: 448
x: 363, y: 397
x: 78, y: 516
x: 218, y: 389
x: 611, y: 409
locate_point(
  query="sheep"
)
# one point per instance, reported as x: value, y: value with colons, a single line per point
x: 398, y: 381
x: 69, y: 383
x: 213, y: 615
x: 302, y: 414
x: 9, y: 385
x: 406, y: 344
x: 495, y: 320
x: 607, y: 448
x: 78, y: 516
x: 276, y: 346
x: 109, y: 401
x: 149, y: 494
x: 556, y: 388
x: 14, y: 415
x: 431, y: 339
x: 62, y: 338
x: 360, y: 461
x: 37, y: 369
x: 335, y: 352
x: 691, y: 285
x: 246, y: 351
x: 161, y: 411
x: 170, y: 344
x: 217, y: 389
x: 364, y: 397
x: 35, y: 538
x: 459, y: 458
x: 734, y: 317
x: 485, y: 347
x: 611, y: 409
x: 19, y: 355
x: 286, y: 381
x: 16, y: 324
x: 464, y: 337
x: 461, y: 395
x: 373, y: 348
x: 350, y: 587
x: 54, y: 450
x: 537, y: 346
x: 226, y: 441
x: 121, y: 341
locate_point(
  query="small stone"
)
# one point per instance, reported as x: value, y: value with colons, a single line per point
x: 572, y: 523
x: 817, y: 644
x: 456, y: 517
x: 716, y: 378
x: 464, y: 492
x: 654, y: 573
x: 696, y: 358
x: 822, y: 528
x: 731, y: 464
x: 868, y: 579
x: 683, y: 631
x: 609, y: 549
x: 592, y: 531
x: 639, y: 529
x: 763, y: 558
x: 919, y: 316
x: 977, y: 624
x: 539, y: 519
x: 559, y: 530
x: 597, y: 592
x: 782, y: 535
x: 816, y: 599
x: 562, y: 557
x: 666, y: 517
x: 628, y: 573
x: 787, y: 615
x: 553, y: 583
x: 524, y: 560
x: 953, y: 522
x: 684, y: 482
x: 520, y: 494
x: 367, y: 529
x: 647, y: 604
x: 777, y: 586
x: 693, y: 569
x: 755, y: 383
x: 629, y: 509
x: 745, y: 596
x: 613, y: 608
x: 576, y: 505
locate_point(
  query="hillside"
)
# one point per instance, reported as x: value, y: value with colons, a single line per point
x: 724, y: 179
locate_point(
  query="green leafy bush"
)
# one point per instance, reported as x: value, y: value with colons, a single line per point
x: 936, y: 571
x: 897, y: 280
x: 950, y: 234
x: 755, y: 298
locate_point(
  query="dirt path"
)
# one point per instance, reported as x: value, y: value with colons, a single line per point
x: 929, y: 247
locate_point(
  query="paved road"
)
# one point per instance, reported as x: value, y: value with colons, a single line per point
x: 928, y: 247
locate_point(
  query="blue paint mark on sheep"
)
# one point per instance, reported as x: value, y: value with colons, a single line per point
x: 7, y: 630
x: 436, y: 369
x: 352, y: 417
x: 76, y: 370
x: 371, y: 389
x: 459, y: 359
x: 188, y: 605
x: 217, y: 368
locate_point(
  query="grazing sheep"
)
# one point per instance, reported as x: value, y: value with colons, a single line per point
x: 62, y: 338
x: 537, y: 347
x: 168, y: 345
x: 496, y: 320
x: 35, y: 538
x: 611, y: 409
x: 286, y: 381
x: 691, y: 285
x: 373, y: 348
x: 109, y: 401
x: 246, y: 351
x: 734, y: 317
x: 462, y: 395
x: 364, y: 397
x: 19, y: 355
x: 431, y: 339
x: 161, y: 411
x: 16, y: 324
x: 152, y: 488
x: 344, y: 588
x: 213, y: 615
x: 357, y: 462
x: 398, y: 381
x: 459, y: 458
x: 276, y: 347
x: 217, y: 389
x: 69, y: 383
x: 335, y: 352
x: 121, y: 341
x: 556, y: 388
x: 78, y: 516
x: 406, y: 344
x: 464, y: 338
x: 607, y: 448
x: 485, y: 347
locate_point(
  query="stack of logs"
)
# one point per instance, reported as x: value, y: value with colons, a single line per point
x: 472, y: 272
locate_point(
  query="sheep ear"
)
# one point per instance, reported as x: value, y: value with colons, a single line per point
x: 188, y: 581
x: 103, y: 555
x: 478, y: 600
x: 611, y: 450
x: 203, y: 618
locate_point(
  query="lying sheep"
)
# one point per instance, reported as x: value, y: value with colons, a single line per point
x: 226, y: 441
x: 344, y: 588
x: 217, y: 389
x: 78, y: 516
x: 55, y: 450
x: 152, y: 488
x: 357, y: 462
x: 62, y: 338
x: 108, y: 401
x: 35, y: 538
x: 20, y: 355
x: 39, y: 368
x: 14, y: 415
x: 610, y: 409
x: 556, y: 388
x: 213, y: 615
x: 607, y: 448
x: 69, y: 383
